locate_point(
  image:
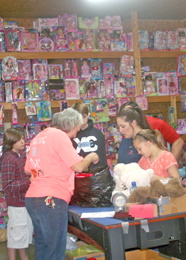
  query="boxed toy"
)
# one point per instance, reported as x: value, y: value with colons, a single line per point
x: 147, y: 254
x: 98, y: 254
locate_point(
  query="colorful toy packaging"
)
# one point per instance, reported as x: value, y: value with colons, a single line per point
x: 110, y: 145
x: 116, y: 23
x: 40, y: 72
x: 46, y: 42
x: 18, y: 91
x: 125, y: 87
x: 160, y: 41
x: 55, y: 71
x: 142, y: 102
x: 13, y: 39
x: 33, y: 90
x: 149, y: 84
x: 62, y: 20
x: 86, y: 23
x: 30, y: 109
x: 130, y: 42
x: 1, y: 91
x: 112, y: 107
x: 99, y: 110
x: 126, y: 66
x: 172, y: 83
x: 29, y: 41
x: 71, y: 22
x: 72, y: 88
x: 181, y: 65
x: 91, y: 39
x: 101, y: 92
x: 45, y: 22
x: 9, y: 68
x: 81, y: 41
x: 8, y: 92
x: 2, y: 41
x: 118, y: 41
x: 72, y: 41
x: 162, y: 86
x: 104, y: 40
x: 109, y: 85
x: 91, y: 89
x: 96, y: 68
x: 181, y: 129
x: 108, y: 68
x: 60, y: 39
x: 24, y: 69
x: 71, y: 70
x: 173, y: 40
x: 151, y: 41
x: 14, y: 113
x: 105, y: 22
x: 85, y: 68
x: 182, y: 38
x: 43, y: 110
x: 57, y: 94
x: 143, y: 40
x: 122, y: 101
x: 183, y: 102
x: 83, y: 88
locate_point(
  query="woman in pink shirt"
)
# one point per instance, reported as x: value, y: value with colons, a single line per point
x: 150, y: 144
x: 52, y: 163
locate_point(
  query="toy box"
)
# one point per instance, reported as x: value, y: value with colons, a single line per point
x: 147, y: 254
x: 86, y: 23
x: 98, y: 255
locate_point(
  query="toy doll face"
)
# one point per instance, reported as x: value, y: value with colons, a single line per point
x: 33, y: 36
x: 41, y: 68
x: 84, y: 62
x: 163, y: 82
x: 95, y: 63
x: 20, y: 65
x: 9, y: 63
x: 60, y: 31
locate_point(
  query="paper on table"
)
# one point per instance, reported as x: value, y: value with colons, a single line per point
x: 106, y: 214
x: 142, y: 210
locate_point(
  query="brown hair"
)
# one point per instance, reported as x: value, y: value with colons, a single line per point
x: 129, y: 114
x: 10, y: 137
x: 82, y: 108
x: 153, y: 136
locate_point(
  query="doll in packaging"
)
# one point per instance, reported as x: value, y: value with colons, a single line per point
x: 120, y: 88
x: 126, y: 66
x: 18, y: 90
x: 72, y: 88
x: 172, y: 40
x: 130, y: 42
x: 1, y: 91
x: 95, y: 65
x: 109, y: 86
x: 62, y: 20
x: 71, y: 70
x: 108, y: 68
x: 24, y: 69
x: 143, y: 40
x: 118, y: 41
x: 182, y: 38
x: 9, y: 68
x: 14, y: 113
x: 2, y: 41
x: 85, y: 68
x: 71, y: 22
x: 72, y: 40
x: 46, y: 22
x: 40, y: 72
x: 116, y: 23
x: 91, y: 89
x: 29, y: 41
x: 60, y: 39
x: 172, y: 83
x: 160, y: 41
x: 104, y: 40
x: 8, y: 92
x: 91, y: 40
x: 33, y: 90
x: 101, y: 92
x: 55, y: 71
x: 13, y: 40
x: 151, y: 41
x: 46, y: 42
x: 149, y: 84
x: 88, y: 23
x: 162, y: 86
x: 43, y: 110
x: 81, y: 41
x: 83, y: 88
x: 142, y: 102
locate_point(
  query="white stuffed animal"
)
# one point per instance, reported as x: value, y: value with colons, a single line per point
x: 125, y: 174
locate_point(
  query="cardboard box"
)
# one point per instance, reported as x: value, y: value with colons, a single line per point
x: 167, y: 205
x: 98, y: 255
x: 147, y: 254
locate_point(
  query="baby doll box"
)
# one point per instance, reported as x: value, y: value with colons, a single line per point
x: 168, y: 205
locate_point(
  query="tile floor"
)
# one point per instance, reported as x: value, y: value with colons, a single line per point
x: 4, y: 255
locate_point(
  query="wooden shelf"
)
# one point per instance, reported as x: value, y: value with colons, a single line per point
x: 155, y: 99
x: 161, y: 54
x: 66, y: 55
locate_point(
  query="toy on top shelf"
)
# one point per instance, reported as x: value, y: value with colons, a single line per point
x: 72, y: 40
x: 46, y: 42
x: 162, y: 86
x: 104, y: 40
x: 173, y: 40
x: 172, y: 83
x: 13, y: 39
x: 126, y: 66
x: 91, y: 40
x: 182, y: 38
x: 83, y: 88
x: 130, y: 41
x: 60, y: 39
x: 181, y: 65
x: 160, y: 41
x: 1, y: 91
x: 45, y: 22
x: 62, y: 20
x: 149, y: 84
x: 81, y: 41
x: 71, y: 22
x: 9, y: 68
x: 105, y: 22
x: 86, y: 23
x: 151, y: 41
x: 143, y: 40
x: 118, y: 41
x: 29, y: 41
x: 116, y: 23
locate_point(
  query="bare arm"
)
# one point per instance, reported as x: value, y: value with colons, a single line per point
x: 177, y: 147
x: 173, y: 172
x: 83, y: 165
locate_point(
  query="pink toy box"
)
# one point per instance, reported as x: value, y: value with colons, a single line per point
x: 88, y: 23
x: 60, y: 39
x: 29, y: 41
x: 104, y: 40
x: 72, y: 88
x: 13, y: 39
x: 24, y: 69
x: 46, y: 42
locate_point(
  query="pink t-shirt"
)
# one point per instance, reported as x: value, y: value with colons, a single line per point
x: 160, y: 165
x: 51, y: 156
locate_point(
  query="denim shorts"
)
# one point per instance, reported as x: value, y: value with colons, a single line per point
x: 50, y: 227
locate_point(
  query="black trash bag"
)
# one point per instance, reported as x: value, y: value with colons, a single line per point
x: 94, y: 191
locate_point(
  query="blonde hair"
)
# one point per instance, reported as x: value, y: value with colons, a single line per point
x: 153, y: 136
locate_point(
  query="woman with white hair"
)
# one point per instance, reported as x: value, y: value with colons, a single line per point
x: 52, y: 163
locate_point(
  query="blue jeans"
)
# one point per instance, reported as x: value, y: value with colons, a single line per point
x: 50, y: 227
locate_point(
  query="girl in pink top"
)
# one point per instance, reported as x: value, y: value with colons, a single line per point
x: 150, y: 144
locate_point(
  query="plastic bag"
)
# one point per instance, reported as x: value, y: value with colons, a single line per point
x: 94, y: 191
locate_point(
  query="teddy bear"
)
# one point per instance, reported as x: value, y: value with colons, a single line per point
x: 173, y: 188
x: 125, y: 174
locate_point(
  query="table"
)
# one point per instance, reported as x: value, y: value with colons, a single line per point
x: 115, y: 236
